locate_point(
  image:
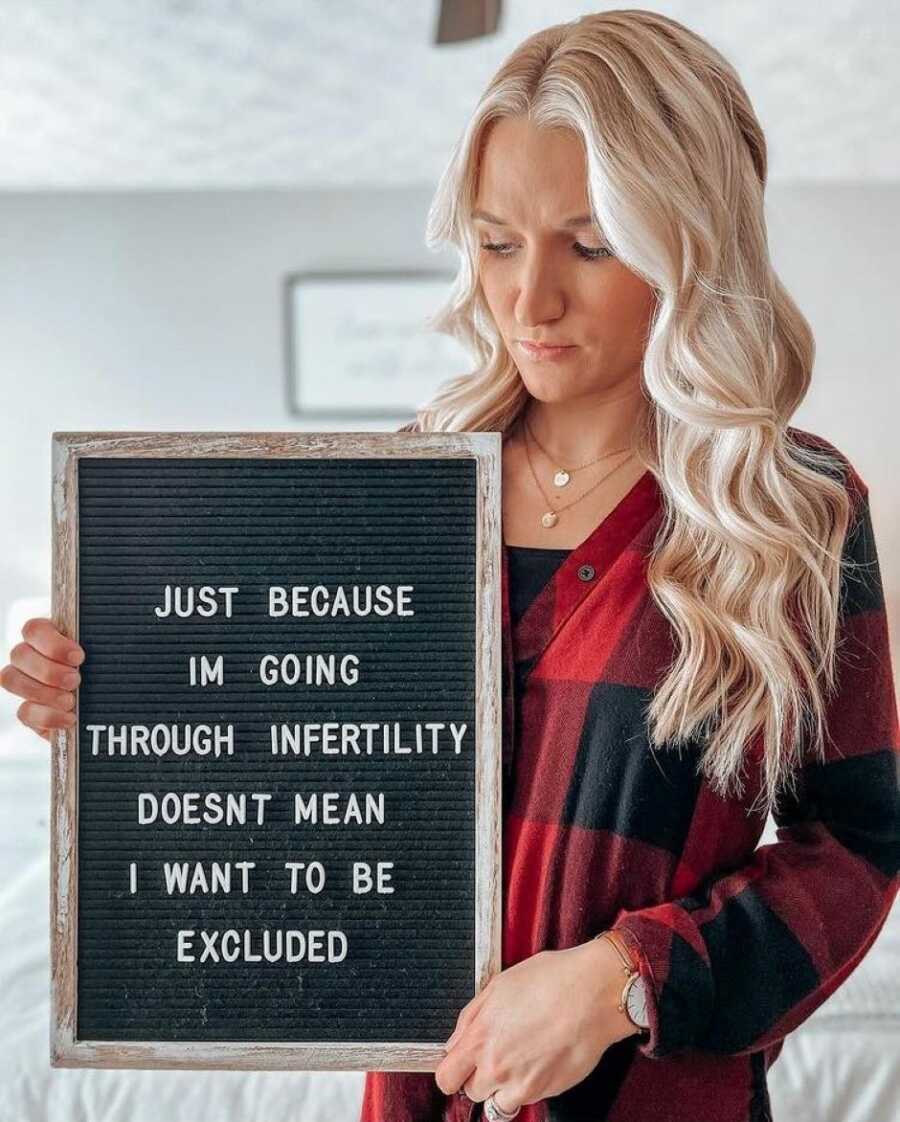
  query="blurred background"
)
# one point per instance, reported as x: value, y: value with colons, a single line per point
x: 212, y: 218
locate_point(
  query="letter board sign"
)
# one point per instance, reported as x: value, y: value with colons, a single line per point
x: 276, y: 819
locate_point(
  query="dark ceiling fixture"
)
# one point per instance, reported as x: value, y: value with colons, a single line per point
x: 467, y: 19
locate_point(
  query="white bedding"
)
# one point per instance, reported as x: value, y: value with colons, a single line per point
x: 842, y: 1065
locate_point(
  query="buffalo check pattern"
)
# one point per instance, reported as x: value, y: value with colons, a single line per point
x: 739, y: 943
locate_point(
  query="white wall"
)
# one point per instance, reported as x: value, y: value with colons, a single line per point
x: 157, y: 310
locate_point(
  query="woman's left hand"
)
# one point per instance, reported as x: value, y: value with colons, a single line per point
x: 537, y: 1028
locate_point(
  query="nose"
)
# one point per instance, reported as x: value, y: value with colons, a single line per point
x: 539, y: 297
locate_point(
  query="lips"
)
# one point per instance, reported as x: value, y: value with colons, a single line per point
x: 543, y: 350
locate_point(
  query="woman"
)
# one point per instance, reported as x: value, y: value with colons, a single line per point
x: 693, y: 624
x: 692, y: 601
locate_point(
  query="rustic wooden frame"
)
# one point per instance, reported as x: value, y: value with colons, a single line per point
x: 66, y: 1050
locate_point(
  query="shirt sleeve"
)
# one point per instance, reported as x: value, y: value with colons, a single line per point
x: 736, y: 966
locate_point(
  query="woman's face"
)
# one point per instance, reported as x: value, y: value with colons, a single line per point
x: 549, y: 279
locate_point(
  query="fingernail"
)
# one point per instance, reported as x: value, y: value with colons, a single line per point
x: 76, y: 658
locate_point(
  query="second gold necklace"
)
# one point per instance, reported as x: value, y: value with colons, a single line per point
x: 564, y: 474
x: 550, y: 517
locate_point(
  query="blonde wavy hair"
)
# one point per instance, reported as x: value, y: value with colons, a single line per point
x: 747, y: 562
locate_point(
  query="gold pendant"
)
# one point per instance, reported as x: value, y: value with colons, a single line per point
x: 561, y: 478
x: 549, y: 519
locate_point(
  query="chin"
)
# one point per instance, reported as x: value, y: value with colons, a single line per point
x: 549, y: 389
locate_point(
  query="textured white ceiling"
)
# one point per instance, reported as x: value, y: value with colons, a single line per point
x: 301, y: 93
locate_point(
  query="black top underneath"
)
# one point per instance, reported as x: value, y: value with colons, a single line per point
x: 530, y: 567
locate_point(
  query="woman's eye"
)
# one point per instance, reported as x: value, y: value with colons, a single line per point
x: 593, y: 254
x: 502, y: 249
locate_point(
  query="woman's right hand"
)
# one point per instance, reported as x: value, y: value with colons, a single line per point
x: 42, y: 670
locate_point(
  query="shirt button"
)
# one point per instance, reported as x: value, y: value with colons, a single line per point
x: 586, y: 572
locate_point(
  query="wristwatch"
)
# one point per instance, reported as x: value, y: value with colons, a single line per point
x: 633, y: 1001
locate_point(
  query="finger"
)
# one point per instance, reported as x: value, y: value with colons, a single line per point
x: 45, y: 637
x: 453, y: 1071
x: 38, y: 666
x: 466, y: 1015
x: 479, y: 1087
x: 507, y: 1101
x: 12, y: 679
x: 40, y: 716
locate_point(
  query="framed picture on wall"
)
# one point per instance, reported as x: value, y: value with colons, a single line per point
x: 359, y: 344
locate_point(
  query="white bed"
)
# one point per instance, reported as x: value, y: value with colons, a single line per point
x: 842, y: 1065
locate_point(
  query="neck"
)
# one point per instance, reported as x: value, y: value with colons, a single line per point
x: 576, y: 431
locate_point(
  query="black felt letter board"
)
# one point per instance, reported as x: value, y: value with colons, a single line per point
x: 276, y: 780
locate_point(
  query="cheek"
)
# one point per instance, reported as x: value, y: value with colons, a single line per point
x: 496, y: 293
x: 617, y: 308
x: 491, y: 284
x: 628, y: 295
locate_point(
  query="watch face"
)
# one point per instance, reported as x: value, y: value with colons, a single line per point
x: 636, y: 1003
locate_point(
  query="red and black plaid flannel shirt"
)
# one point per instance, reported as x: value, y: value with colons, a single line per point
x: 739, y: 943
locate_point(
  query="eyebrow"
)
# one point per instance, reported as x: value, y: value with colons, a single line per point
x: 569, y: 224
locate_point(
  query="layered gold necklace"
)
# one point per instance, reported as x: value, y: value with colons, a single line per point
x: 563, y: 475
